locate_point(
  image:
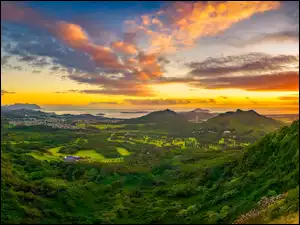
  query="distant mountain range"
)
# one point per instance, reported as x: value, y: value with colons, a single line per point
x: 18, y: 106
x: 168, y: 115
x: 17, y: 113
x: 157, y: 117
x: 241, y: 122
x: 137, y: 112
x: 24, y: 113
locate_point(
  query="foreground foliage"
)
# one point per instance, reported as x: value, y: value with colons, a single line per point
x: 174, y: 186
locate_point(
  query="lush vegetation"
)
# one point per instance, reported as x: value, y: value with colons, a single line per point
x: 158, y: 180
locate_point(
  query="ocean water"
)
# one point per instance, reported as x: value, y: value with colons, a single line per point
x: 109, y: 113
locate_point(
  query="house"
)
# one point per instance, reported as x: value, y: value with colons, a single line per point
x: 72, y: 158
x: 227, y: 132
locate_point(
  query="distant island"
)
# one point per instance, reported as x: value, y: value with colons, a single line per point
x: 18, y: 106
x: 100, y: 114
x: 136, y: 112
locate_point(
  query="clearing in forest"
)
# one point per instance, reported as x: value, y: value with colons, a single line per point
x: 123, y: 151
x: 92, y: 154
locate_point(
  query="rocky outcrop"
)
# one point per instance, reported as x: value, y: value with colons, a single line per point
x: 262, y: 205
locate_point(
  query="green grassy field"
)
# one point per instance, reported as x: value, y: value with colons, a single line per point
x: 42, y: 156
x: 123, y: 151
x: 54, y: 151
x: 81, y: 125
x: 91, y: 154
x: 159, y: 141
x: 107, y: 126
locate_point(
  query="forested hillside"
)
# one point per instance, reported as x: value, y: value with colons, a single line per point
x: 243, y: 122
x: 178, y: 186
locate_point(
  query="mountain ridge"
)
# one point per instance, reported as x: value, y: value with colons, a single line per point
x: 242, y: 121
x: 18, y: 106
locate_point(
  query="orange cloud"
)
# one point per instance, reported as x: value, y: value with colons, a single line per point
x: 141, y: 75
x: 124, y: 47
x: 206, y: 19
x: 131, y: 61
x: 147, y: 59
x: 145, y: 66
x: 150, y: 66
x: 284, y: 81
x: 181, y: 24
x: 75, y: 37
x: 70, y: 33
x: 157, y: 22
x: 146, y: 20
x: 133, y: 90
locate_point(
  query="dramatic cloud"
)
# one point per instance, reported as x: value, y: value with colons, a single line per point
x: 149, y: 66
x: 112, y: 85
x: 285, y: 81
x: 282, y: 81
x: 134, y: 91
x: 182, y: 23
x: 74, y: 36
x: 252, y: 72
x: 109, y: 87
x: 122, y: 67
x: 40, y: 47
x: 121, y: 57
x: 243, y: 64
x: 6, y: 92
x: 169, y: 101
x: 123, y: 47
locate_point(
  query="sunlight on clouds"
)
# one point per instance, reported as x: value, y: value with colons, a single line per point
x: 126, y: 67
x: 55, y: 98
x: 184, y: 91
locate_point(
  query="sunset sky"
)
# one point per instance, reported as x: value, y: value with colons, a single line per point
x: 214, y: 55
